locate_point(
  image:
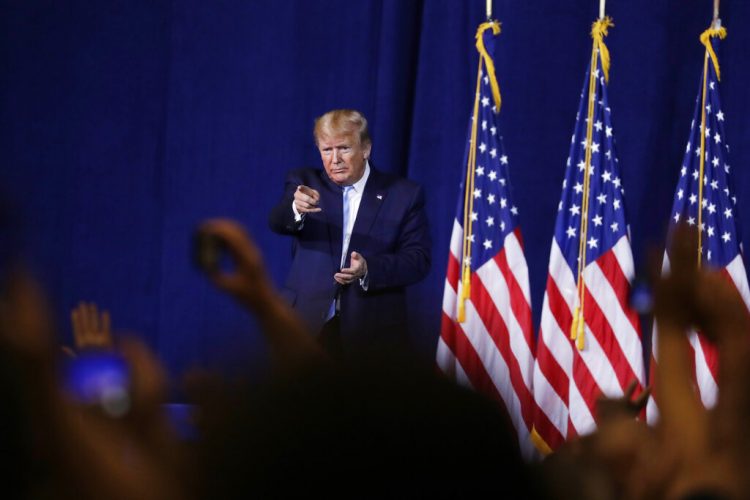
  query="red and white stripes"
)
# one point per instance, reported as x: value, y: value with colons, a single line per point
x: 492, y: 350
x: 568, y: 381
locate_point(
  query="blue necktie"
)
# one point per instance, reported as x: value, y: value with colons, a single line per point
x: 345, y: 236
x: 346, y: 231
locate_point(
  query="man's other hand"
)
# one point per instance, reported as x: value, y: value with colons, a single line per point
x: 357, y: 269
x: 306, y: 200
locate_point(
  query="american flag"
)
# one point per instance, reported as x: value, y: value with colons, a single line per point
x: 704, y: 198
x: 590, y: 269
x: 486, y: 338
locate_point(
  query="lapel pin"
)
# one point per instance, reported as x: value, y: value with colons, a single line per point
x: 379, y: 196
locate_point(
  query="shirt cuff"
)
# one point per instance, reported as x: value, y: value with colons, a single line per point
x: 364, y: 281
x: 298, y: 217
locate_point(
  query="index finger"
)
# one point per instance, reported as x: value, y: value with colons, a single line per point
x: 309, y: 192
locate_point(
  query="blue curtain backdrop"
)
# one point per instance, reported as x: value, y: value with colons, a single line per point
x: 125, y: 123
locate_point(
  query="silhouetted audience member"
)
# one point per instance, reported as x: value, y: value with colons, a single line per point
x: 382, y: 428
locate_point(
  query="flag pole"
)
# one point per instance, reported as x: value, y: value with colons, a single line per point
x: 602, y: 4
x: 488, y: 8
x: 599, y: 51
x: 716, y: 24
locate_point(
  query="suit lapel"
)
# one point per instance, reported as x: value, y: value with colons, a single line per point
x: 372, y: 199
x: 332, y: 203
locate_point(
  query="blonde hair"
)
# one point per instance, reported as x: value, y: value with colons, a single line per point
x: 342, y: 122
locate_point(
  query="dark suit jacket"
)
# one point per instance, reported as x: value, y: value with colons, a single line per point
x: 390, y: 232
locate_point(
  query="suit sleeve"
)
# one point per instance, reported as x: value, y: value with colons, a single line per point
x: 410, y: 262
x: 281, y: 219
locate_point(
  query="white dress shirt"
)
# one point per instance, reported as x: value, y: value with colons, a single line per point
x: 354, y: 201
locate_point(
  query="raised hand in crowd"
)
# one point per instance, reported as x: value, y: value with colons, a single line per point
x: 91, y: 328
x: 706, y: 449
x: 247, y: 282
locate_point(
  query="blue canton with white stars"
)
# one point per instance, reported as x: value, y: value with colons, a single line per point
x: 606, y: 207
x: 720, y: 238
x: 494, y: 215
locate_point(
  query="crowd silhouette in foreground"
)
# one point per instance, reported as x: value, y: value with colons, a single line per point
x: 371, y: 424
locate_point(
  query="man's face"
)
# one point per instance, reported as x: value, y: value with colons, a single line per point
x: 343, y: 158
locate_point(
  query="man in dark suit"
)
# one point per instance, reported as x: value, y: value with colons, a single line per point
x: 360, y: 237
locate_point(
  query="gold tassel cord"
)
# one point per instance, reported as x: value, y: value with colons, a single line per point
x: 472, y: 160
x: 488, y: 63
x: 701, y: 172
x: 469, y: 206
x: 598, y: 31
x: 578, y: 327
x: 705, y: 39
